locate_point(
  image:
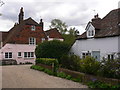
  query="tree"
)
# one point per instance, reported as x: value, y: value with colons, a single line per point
x: 61, y: 26
x: 73, y: 31
x: 51, y: 49
x: 1, y: 3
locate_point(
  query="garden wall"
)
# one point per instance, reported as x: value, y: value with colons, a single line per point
x: 84, y: 77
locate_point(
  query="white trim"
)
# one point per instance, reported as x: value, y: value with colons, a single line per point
x: 8, y: 55
x: 18, y: 55
x: 32, y: 41
x: 27, y: 55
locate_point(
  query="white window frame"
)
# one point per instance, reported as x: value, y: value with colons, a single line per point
x: 110, y: 58
x: 90, y: 33
x: 29, y: 55
x: 32, y: 41
x: 87, y: 53
x: 33, y: 28
x: 8, y: 55
x: 20, y: 54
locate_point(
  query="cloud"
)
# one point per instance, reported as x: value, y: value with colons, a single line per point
x: 74, y: 12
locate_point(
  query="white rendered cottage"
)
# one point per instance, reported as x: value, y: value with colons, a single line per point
x: 101, y: 38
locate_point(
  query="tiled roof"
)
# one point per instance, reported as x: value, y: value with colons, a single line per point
x: 9, y: 37
x: 106, y: 27
x: 53, y: 33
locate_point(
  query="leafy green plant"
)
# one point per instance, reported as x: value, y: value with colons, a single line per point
x: 51, y: 49
x: 70, y: 62
x: 76, y: 79
x: 89, y: 65
x: 48, y: 71
x: 37, y: 68
x: 46, y: 61
x: 68, y: 77
x: 61, y: 74
x: 98, y: 84
x: 110, y: 68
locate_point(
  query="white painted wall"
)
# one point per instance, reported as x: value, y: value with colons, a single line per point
x: 104, y: 45
x: 15, y: 48
x: 119, y: 44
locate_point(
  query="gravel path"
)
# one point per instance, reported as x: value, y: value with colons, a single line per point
x: 21, y: 76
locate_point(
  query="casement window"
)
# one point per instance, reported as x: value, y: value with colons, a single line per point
x: 19, y: 54
x: 84, y: 54
x: 33, y: 28
x: 110, y: 56
x: 96, y: 55
x: 28, y: 54
x: 91, y: 33
x: 32, y: 41
x: 43, y: 39
x: 8, y: 55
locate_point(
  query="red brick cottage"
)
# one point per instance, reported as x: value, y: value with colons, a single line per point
x: 19, y: 43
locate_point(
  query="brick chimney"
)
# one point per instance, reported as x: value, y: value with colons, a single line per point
x: 41, y: 23
x: 21, y: 15
x: 96, y: 21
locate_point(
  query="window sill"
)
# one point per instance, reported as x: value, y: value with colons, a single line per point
x: 19, y: 56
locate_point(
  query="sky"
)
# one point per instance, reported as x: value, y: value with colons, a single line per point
x: 75, y: 13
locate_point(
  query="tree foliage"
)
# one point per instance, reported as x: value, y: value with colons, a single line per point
x: 51, y: 49
x: 69, y: 39
x: 73, y: 31
x: 60, y: 25
x: 1, y: 4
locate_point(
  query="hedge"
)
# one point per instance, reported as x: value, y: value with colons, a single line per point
x: 47, y: 61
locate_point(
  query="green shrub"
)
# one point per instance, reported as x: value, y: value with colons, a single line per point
x: 110, y: 68
x: 98, y: 84
x: 46, y: 61
x: 76, y: 79
x: 68, y: 77
x: 89, y: 65
x: 37, y: 67
x: 61, y: 74
x: 51, y: 49
x: 48, y: 71
x: 70, y: 62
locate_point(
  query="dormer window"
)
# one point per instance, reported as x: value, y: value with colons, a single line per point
x: 33, y: 28
x: 90, y: 30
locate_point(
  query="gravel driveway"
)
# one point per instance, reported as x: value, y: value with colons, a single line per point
x: 21, y: 76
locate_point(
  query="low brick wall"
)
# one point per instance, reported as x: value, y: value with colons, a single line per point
x: 45, y: 66
x: 84, y: 77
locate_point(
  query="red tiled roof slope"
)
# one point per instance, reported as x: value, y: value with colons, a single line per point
x: 53, y: 33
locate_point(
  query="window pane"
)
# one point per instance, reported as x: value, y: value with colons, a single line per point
x: 33, y: 28
x: 6, y: 55
x: 28, y: 54
x: 10, y: 54
x: 19, y: 53
x: 32, y: 54
x: 112, y: 57
x: 32, y: 41
x: 108, y: 57
x: 25, y: 54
